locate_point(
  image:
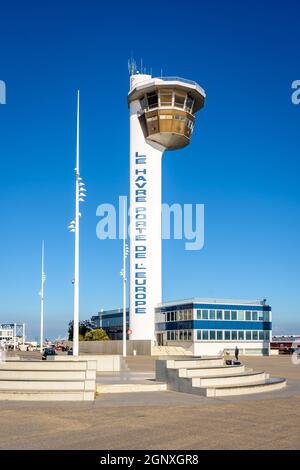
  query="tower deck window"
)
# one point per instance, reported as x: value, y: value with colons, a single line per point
x: 166, y: 98
x: 152, y: 100
x: 144, y: 103
x: 179, y: 100
x: 189, y: 104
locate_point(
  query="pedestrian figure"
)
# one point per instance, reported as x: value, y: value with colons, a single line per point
x: 236, y: 353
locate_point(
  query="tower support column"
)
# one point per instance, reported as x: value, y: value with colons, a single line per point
x: 145, y: 229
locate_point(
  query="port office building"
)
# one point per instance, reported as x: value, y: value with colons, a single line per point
x: 204, y: 326
x: 212, y: 326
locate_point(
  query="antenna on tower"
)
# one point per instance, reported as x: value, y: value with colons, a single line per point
x: 131, y: 66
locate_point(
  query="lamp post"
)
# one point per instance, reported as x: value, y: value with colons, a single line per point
x: 74, y: 227
x: 124, y: 277
x: 43, y: 279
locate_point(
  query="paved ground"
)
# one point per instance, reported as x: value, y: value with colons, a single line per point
x: 162, y: 420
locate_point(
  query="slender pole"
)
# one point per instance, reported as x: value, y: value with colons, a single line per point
x: 76, y: 267
x: 15, y: 335
x: 124, y: 282
x: 42, y: 299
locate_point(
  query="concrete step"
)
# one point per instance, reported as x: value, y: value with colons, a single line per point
x: 247, y: 378
x: 104, y: 362
x: 46, y: 365
x: 37, y: 385
x: 170, y: 351
x: 270, y: 385
x: 130, y: 388
x: 47, y: 375
x: 212, y: 371
x: 12, y: 395
x: 196, y: 363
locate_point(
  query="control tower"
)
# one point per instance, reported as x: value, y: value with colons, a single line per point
x: 162, y: 117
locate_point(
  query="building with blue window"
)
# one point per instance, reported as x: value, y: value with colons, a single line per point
x: 212, y: 326
x: 203, y: 326
x: 111, y: 321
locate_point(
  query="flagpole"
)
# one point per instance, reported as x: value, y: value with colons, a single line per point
x: 42, y: 300
x: 77, y: 234
x: 80, y: 194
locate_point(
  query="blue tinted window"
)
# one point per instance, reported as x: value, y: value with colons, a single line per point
x: 227, y: 335
x: 241, y: 335
x: 248, y: 316
x: 199, y: 315
x: 219, y: 335
x: 234, y: 335
x: 233, y: 315
x: 254, y: 335
x: 266, y: 316
x: 219, y: 315
x: 205, y: 335
x: 266, y: 335
x: 212, y: 335
x: 227, y: 315
x: 204, y: 314
x: 248, y: 335
x: 254, y: 316
x: 199, y: 335
x: 240, y: 315
x: 212, y: 314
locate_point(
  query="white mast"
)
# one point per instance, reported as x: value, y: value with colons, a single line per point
x: 43, y: 278
x: 74, y: 227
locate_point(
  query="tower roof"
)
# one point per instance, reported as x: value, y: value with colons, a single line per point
x: 141, y: 84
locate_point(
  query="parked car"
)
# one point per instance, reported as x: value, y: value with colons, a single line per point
x: 48, y: 352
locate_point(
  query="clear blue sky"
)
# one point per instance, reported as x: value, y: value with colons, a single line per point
x: 243, y: 162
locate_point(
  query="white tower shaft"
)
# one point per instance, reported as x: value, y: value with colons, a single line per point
x: 145, y: 229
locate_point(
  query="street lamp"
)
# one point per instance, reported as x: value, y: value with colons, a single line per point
x: 41, y: 294
x: 124, y: 277
x: 74, y: 227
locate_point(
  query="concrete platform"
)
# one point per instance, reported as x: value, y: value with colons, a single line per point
x: 105, y: 363
x: 131, y: 387
x: 189, y: 421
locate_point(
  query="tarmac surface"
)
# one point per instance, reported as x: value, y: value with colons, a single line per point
x: 162, y: 420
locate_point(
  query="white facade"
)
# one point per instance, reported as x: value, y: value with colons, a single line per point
x: 145, y: 226
x: 12, y: 334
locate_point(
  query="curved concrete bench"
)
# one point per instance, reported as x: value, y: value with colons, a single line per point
x: 212, y: 378
x: 270, y: 385
x: 230, y: 380
x: 211, y: 371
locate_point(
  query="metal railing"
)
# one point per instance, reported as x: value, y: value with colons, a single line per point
x: 178, y: 79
